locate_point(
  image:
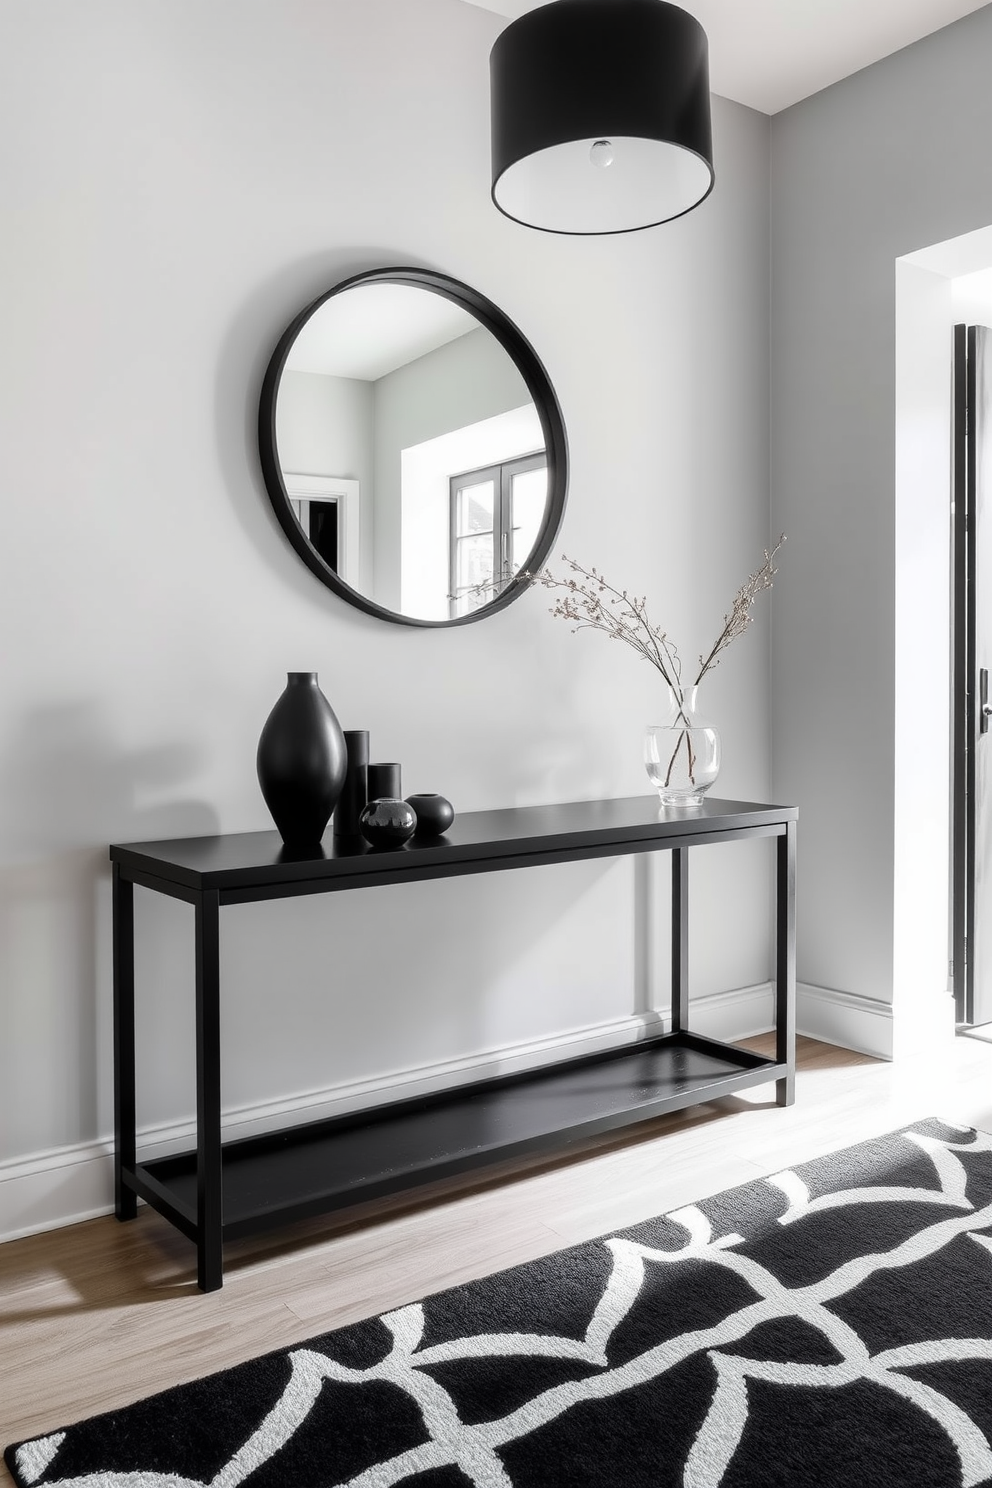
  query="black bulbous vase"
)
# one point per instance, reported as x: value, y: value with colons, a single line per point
x: 434, y: 813
x: 387, y: 822
x: 301, y: 761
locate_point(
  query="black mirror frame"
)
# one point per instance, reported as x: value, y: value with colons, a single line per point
x: 538, y: 384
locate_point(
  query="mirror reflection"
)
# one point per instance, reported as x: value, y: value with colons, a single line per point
x: 411, y: 450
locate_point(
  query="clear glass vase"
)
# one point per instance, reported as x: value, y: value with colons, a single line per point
x: 682, y: 755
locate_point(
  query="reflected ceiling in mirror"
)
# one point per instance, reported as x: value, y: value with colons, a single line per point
x: 413, y: 448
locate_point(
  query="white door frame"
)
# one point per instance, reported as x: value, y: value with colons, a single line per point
x: 301, y: 487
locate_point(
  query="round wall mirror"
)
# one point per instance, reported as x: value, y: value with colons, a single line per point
x: 413, y: 448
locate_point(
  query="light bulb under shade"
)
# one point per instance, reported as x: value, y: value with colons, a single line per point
x: 558, y: 190
x: 577, y: 73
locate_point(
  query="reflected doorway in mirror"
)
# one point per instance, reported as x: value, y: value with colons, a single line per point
x: 328, y: 509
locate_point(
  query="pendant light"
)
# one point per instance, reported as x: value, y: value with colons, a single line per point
x: 600, y: 116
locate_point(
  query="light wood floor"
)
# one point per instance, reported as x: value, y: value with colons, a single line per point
x: 99, y: 1314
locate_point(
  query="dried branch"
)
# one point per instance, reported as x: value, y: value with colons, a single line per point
x: 590, y: 603
x: 593, y: 604
x: 737, y: 621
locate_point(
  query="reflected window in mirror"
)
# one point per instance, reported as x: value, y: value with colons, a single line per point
x: 496, y: 514
x: 402, y: 381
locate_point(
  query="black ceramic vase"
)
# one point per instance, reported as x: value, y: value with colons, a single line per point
x: 355, y: 793
x: 434, y: 813
x: 301, y: 761
x: 384, y: 782
x: 388, y: 823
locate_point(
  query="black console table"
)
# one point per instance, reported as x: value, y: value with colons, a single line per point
x: 220, y: 1191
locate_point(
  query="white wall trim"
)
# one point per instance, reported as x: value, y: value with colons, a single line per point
x: 66, y: 1185
x: 59, y: 1187
x: 861, y: 1023
x: 737, y: 1014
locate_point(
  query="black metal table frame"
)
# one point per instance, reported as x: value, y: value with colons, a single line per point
x: 531, y: 842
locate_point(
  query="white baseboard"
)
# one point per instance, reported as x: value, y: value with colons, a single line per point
x: 860, y: 1023
x: 55, y: 1188
x: 734, y: 1015
x: 47, y: 1190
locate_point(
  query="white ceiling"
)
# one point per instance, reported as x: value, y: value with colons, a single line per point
x: 769, y: 54
x: 371, y: 329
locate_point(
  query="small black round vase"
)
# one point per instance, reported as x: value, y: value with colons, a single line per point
x: 387, y: 822
x: 434, y: 814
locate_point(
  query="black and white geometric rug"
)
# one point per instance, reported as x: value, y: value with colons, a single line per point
x: 828, y: 1327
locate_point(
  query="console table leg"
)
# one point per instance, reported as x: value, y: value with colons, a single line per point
x: 209, y: 1178
x: 125, y: 1141
x: 680, y: 939
x: 785, y: 963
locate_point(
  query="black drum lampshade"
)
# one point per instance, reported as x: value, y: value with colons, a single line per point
x: 601, y: 116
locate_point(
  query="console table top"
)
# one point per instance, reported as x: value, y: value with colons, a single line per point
x: 579, y: 828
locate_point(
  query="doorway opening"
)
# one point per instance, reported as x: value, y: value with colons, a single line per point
x: 939, y: 786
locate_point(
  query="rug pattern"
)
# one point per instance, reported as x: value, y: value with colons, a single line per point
x: 830, y: 1325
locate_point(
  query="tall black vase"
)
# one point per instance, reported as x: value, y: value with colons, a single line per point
x: 355, y: 794
x: 301, y: 761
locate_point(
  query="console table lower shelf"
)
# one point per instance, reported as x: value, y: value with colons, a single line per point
x: 326, y: 1165
x: 226, y: 1190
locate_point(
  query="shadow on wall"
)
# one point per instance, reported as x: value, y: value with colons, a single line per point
x: 70, y: 790
x: 403, y: 982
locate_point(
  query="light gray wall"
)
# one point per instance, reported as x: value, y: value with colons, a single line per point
x: 326, y: 426
x: 185, y: 178
x: 882, y: 164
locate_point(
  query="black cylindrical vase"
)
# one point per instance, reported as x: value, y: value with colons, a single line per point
x: 301, y: 761
x: 354, y: 797
x: 384, y: 782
